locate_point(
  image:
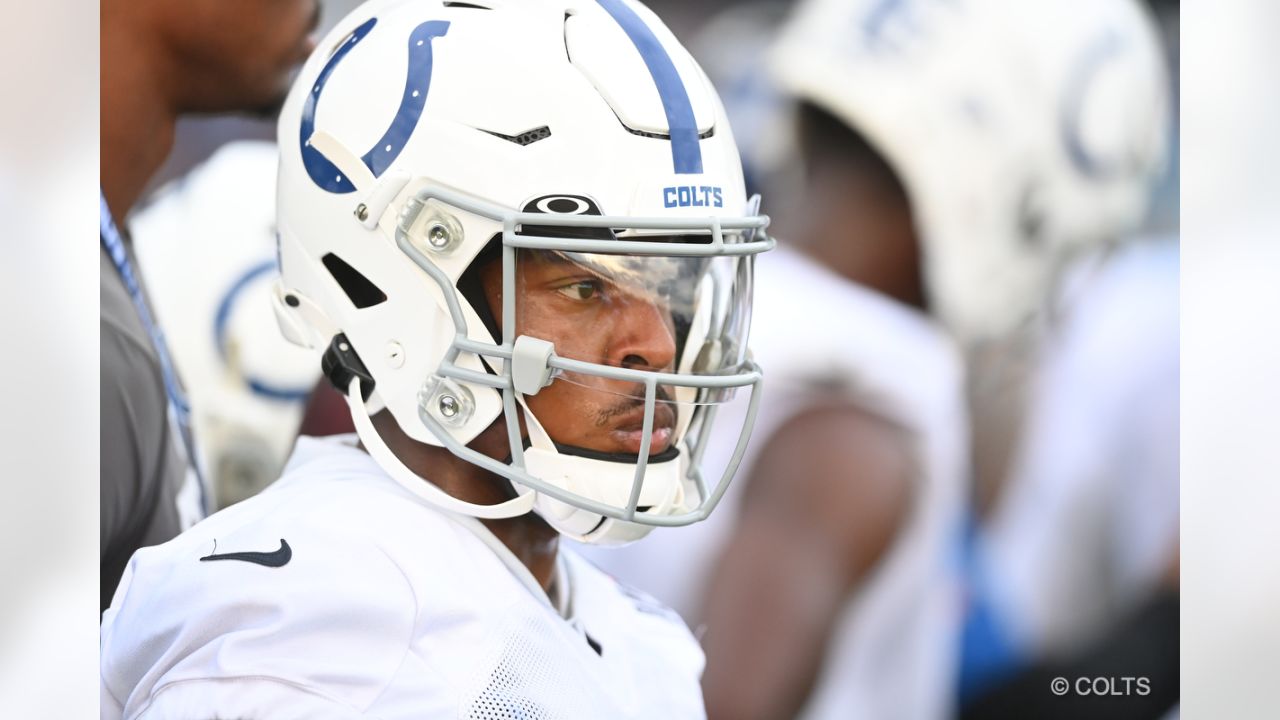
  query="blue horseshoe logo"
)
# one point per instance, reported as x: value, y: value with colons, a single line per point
x: 221, y: 321
x: 418, y: 81
x: 1104, y: 50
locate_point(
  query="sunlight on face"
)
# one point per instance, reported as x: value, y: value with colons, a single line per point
x: 595, y: 312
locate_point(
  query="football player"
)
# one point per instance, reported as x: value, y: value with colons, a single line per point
x: 163, y: 61
x: 954, y: 156
x: 520, y: 234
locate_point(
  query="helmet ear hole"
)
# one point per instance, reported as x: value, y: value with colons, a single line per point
x: 359, y: 289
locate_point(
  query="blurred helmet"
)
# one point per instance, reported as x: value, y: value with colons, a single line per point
x: 211, y: 273
x: 1022, y: 131
x: 486, y: 202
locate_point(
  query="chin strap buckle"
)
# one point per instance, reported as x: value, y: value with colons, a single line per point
x: 340, y: 364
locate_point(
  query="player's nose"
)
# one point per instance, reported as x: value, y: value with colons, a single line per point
x: 645, y: 337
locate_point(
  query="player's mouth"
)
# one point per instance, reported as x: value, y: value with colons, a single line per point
x: 629, y: 432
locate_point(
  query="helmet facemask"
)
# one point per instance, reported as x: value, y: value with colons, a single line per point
x: 619, y: 337
x: 465, y: 144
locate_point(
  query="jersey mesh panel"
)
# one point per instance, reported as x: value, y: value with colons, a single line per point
x: 526, y: 678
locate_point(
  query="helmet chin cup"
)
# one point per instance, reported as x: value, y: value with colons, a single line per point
x: 661, y: 493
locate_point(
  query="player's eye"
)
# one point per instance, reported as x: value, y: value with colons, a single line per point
x: 581, y: 290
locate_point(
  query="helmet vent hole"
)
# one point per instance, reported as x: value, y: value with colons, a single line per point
x: 471, y: 6
x: 359, y: 289
x: 709, y: 132
x: 528, y: 137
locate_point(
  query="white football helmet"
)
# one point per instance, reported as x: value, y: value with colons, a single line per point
x: 578, y: 151
x: 1023, y: 131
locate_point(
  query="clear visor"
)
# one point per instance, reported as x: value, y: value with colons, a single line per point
x: 665, y: 314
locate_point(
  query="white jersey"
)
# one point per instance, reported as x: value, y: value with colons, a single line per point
x: 1089, y: 519
x: 819, y: 339
x: 380, y: 607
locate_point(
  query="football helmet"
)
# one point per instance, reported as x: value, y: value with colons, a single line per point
x: 522, y: 210
x: 210, y: 273
x: 1023, y: 132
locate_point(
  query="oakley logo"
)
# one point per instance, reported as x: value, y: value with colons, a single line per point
x: 692, y: 196
x: 276, y: 558
x: 564, y: 205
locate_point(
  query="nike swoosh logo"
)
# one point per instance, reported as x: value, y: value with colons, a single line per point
x: 277, y: 558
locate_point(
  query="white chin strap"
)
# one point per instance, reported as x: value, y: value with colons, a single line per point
x: 420, y: 486
x: 599, y: 480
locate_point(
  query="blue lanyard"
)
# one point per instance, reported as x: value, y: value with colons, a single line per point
x: 178, y: 403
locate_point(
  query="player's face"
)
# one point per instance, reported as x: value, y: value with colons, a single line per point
x: 593, y: 314
x: 240, y: 54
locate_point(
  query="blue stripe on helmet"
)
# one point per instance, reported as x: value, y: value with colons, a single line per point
x: 412, y: 101
x: 686, y: 155
x: 1104, y: 50
x: 322, y: 172
x: 416, y: 85
x: 222, y: 318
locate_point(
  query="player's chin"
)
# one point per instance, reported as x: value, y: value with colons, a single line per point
x: 266, y: 102
x: 269, y: 86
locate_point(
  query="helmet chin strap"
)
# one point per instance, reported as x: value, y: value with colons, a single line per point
x: 420, y: 486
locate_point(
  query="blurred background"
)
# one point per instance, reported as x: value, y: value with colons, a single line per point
x: 1112, y: 362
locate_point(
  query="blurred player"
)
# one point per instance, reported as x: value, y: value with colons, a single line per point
x: 207, y: 242
x: 1074, y: 570
x: 534, y: 288
x: 955, y: 156
x: 164, y: 61
x: 1074, y: 567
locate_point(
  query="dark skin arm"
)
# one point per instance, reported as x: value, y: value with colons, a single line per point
x: 821, y: 507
